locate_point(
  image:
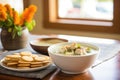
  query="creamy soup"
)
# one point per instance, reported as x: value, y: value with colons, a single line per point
x: 48, y: 42
x: 76, y: 49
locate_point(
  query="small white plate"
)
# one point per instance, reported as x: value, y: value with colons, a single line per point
x: 24, y: 70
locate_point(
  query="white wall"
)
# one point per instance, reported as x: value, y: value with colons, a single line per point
x: 16, y: 4
x: 39, y: 29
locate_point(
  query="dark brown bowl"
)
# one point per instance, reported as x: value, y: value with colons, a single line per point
x: 41, y: 45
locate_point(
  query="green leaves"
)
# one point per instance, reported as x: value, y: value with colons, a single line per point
x: 30, y: 25
x: 1, y: 24
x: 17, y: 31
x: 9, y: 29
x: 8, y: 22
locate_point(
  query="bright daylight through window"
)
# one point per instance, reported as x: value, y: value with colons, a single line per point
x: 16, y: 4
x: 86, y: 9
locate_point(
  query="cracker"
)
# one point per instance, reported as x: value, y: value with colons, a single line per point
x: 22, y: 61
x: 16, y: 53
x: 27, y: 58
x: 14, y: 59
x: 7, y: 59
x: 4, y: 62
x: 10, y: 59
x: 25, y: 53
x: 11, y: 63
x: 39, y: 58
x: 13, y: 56
x: 46, y: 61
x: 47, y: 58
x: 36, y: 65
x: 34, y: 55
x: 23, y: 65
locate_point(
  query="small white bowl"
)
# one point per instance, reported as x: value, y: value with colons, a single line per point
x: 73, y: 64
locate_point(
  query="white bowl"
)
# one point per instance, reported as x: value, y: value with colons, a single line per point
x: 73, y: 64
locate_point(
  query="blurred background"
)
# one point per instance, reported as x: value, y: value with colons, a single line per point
x: 90, y: 9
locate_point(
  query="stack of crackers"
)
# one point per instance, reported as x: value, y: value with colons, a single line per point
x: 25, y: 60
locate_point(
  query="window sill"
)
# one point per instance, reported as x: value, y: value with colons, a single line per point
x: 80, y: 25
x: 83, y: 22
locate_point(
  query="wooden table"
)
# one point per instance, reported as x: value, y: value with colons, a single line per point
x: 109, y: 70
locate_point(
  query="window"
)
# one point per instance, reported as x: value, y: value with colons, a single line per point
x: 53, y: 19
x: 86, y: 9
